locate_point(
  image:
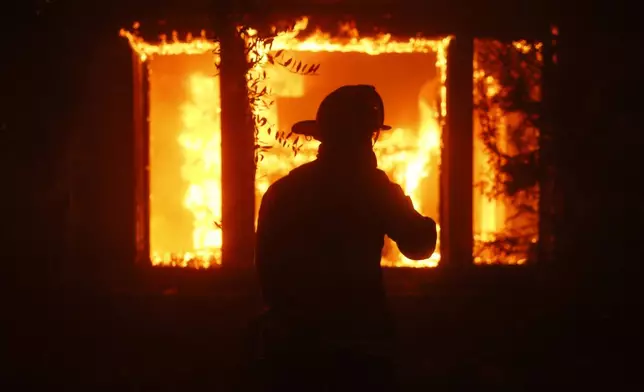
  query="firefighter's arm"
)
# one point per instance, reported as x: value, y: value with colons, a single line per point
x: 414, y: 233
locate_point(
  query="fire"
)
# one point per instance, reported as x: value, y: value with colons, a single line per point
x: 200, y: 141
x: 405, y: 154
x: 320, y: 41
x: 490, y: 214
x: 408, y: 154
x: 191, y: 45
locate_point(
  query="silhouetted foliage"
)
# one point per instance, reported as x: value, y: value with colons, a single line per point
x: 259, y: 53
x: 509, y: 118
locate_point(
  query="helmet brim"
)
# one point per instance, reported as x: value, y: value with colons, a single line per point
x: 310, y: 128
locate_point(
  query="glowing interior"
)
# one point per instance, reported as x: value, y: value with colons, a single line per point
x: 185, y: 130
x: 492, y: 217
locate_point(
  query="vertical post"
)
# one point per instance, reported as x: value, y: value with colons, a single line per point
x: 141, y: 160
x: 237, y: 153
x: 457, y: 156
x: 547, y: 164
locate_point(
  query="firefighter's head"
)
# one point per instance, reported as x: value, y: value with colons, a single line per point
x: 351, y: 114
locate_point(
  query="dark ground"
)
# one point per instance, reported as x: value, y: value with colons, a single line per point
x: 487, y: 329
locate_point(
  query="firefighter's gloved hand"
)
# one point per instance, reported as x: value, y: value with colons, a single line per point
x: 415, y: 234
x: 418, y: 242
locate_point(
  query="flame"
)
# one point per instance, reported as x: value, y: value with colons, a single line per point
x: 191, y: 45
x: 320, y: 41
x: 404, y: 154
x: 490, y: 214
x: 407, y: 155
x: 200, y: 141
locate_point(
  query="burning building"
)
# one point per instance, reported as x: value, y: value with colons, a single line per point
x: 186, y: 213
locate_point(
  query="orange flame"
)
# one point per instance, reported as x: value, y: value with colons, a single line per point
x: 406, y: 154
x: 490, y: 214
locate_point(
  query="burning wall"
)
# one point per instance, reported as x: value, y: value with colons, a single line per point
x: 185, y: 131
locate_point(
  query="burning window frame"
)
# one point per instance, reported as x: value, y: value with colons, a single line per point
x: 457, y: 234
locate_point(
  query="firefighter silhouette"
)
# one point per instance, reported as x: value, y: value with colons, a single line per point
x: 320, y: 235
